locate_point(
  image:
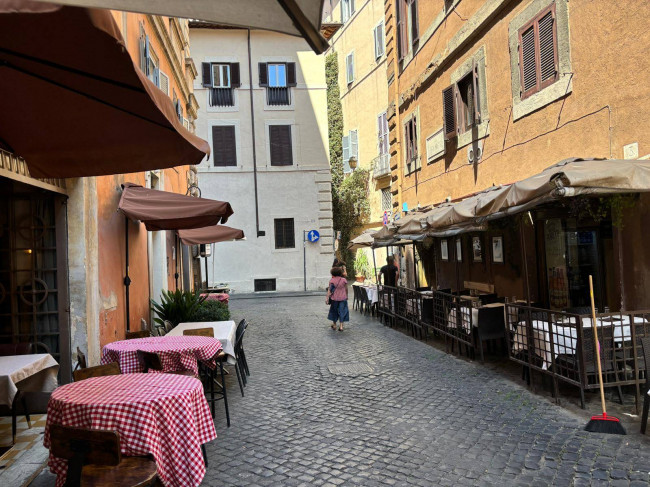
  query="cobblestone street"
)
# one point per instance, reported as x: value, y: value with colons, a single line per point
x: 371, y: 406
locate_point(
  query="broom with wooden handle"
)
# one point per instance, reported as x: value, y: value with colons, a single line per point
x: 603, y: 423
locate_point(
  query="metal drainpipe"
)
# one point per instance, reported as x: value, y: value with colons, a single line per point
x: 250, y: 90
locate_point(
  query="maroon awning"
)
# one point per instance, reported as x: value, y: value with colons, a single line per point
x: 162, y: 210
x: 208, y: 235
x: 74, y: 104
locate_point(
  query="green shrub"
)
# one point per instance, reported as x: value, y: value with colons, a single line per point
x: 176, y: 306
x: 211, y: 311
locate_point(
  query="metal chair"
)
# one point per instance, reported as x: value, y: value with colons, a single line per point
x: 94, y: 458
x: 645, y: 346
x: 98, y: 371
x: 491, y: 326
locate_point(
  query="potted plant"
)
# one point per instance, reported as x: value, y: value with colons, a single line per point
x: 361, y: 267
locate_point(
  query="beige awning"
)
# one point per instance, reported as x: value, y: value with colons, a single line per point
x: 300, y: 18
x: 362, y: 241
x: 568, y: 178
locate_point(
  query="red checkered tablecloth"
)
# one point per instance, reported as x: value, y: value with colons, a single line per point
x: 176, y: 352
x: 163, y: 415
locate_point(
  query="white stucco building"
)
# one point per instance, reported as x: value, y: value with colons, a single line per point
x: 270, y: 161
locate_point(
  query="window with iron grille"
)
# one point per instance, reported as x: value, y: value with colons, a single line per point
x: 221, y: 79
x: 224, y: 145
x: 538, y: 57
x: 386, y: 200
x: 278, y: 78
x: 284, y: 233
x: 262, y: 285
x: 280, y: 145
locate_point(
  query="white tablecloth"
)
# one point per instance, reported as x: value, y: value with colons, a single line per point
x: 565, y: 336
x: 28, y: 373
x: 373, y: 295
x: 224, y: 331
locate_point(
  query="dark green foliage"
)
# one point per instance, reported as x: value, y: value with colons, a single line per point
x: 335, y: 119
x: 211, y: 311
x: 176, y: 306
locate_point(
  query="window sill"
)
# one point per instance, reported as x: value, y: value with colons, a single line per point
x: 227, y: 109
x: 475, y: 133
x: 279, y: 108
x: 534, y: 102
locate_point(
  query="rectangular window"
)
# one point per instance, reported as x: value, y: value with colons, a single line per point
x: 164, y: 83
x: 379, y: 40
x: 349, y: 67
x: 224, y: 145
x: 461, y: 105
x: 221, y: 75
x: 382, y: 134
x: 538, y: 58
x: 280, y: 145
x: 350, y: 149
x: 277, y: 78
x: 347, y: 10
x: 284, y: 233
x: 386, y: 199
x: 407, y: 26
x: 277, y: 75
x: 262, y: 285
x: 411, y: 145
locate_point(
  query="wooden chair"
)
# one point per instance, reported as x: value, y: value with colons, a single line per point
x: 158, y: 330
x: 201, y: 332
x: 94, y: 459
x: 130, y: 335
x: 151, y: 361
x: 169, y: 326
x: 98, y: 371
x: 645, y: 346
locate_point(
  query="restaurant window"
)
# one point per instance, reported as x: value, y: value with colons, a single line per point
x: 284, y: 233
x: 221, y: 79
x: 278, y: 79
x: 407, y: 27
x: 224, y: 146
x: 378, y: 33
x: 538, y: 59
x: 411, y: 150
x: 280, y: 145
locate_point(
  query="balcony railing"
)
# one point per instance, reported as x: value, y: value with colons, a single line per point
x: 278, y: 96
x: 381, y: 166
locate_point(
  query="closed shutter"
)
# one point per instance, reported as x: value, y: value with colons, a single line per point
x: 354, y: 144
x: 235, y: 81
x: 206, y: 79
x: 280, y: 141
x: 224, y: 146
x: 156, y: 77
x: 346, y: 154
x: 379, y: 40
x: 285, y: 237
x: 263, y: 72
x: 401, y: 29
x: 528, y: 58
x: 449, y: 112
x: 476, y: 100
x: 548, y: 68
x: 291, y: 74
x: 147, y: 55
x: 407, y: 142
x: 143, y: 59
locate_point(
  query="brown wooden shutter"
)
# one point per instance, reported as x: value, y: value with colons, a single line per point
x: 449, y: 112
x: 207, y: 75
x: 413, y: 10
x: 475, y: 85
x: 263, y: 71
x: 527, y: 60
x: 547, y: 48
x: 235, y: 81
x: 401, y: 29
x: 291, y: 74
x: 224, y: 145
x: 280, y: 142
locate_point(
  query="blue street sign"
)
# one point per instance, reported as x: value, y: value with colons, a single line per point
x: 313, y: 236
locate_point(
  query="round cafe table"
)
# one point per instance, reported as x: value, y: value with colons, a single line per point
x: 163, y: 415
x: 176, y: 352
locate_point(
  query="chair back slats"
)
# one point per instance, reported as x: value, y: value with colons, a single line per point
x: 239, y: 335
x: 98, y: 371
x: 149, y: 361
x: 169, y: 326
x: 201, y: 332
x: 130, y: 335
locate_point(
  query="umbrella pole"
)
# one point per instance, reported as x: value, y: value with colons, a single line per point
x: 374, y: 264
x: 127, y: 279
x: 524, y: 257
x: 206, y: 273
x: 176, y: 248
x: 415, y: 269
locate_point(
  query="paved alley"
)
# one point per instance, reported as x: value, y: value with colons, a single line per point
x: 371, y: 406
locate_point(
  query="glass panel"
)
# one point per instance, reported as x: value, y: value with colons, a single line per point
x: 220, y: 76
x: 277, y: 75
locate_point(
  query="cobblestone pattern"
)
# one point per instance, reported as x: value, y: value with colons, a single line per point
x: 420, y: 417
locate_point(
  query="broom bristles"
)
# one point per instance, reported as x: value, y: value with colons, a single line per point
x: 605, y: 424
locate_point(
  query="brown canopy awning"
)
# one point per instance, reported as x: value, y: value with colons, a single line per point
x: 366, y: 239
x: 294, y: 17
x: 74, y: 104
x: 162, y: 210
x: 208, y: 235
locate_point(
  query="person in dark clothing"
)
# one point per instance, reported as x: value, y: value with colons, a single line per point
x: 388, y: 274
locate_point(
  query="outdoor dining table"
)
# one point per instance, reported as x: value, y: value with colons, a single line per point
x: 224, y: 331
x: 163, y: 415
x: 176, y: 352
x: 373, y: 294
x: 565, y: 335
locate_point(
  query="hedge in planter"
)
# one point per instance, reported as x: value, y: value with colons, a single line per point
x: 211, y: 311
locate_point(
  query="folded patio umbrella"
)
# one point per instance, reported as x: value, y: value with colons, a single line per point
x: 208, y: 235
x: 73, y: 103
x: 162, y: 210
x: 294, y: 17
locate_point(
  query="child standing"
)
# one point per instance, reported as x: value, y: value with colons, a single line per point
x: 337, y: 295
